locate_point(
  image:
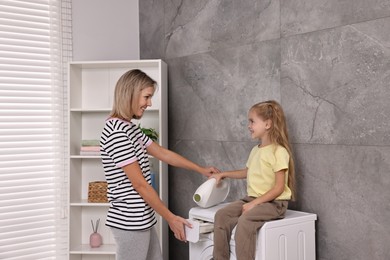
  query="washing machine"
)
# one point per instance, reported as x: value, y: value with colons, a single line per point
x: 290, y: 238
x: 201, y: 236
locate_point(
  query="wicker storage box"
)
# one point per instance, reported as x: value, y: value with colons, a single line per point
x: 97, y: 192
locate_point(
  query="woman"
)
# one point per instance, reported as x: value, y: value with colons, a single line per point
x: 124, y: 150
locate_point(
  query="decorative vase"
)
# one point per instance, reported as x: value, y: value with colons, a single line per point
x: 95, y: 240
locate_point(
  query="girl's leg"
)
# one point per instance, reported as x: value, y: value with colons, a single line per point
x: 250, y: 222
x: 132, y: 245
x: 224, y: 221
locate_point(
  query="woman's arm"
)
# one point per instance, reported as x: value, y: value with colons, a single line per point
x: 237, y: 174
x: 176, y: 223
x: 270, y: 195
x: 177, y: 160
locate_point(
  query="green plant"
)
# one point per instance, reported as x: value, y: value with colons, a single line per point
x: 150, y: 132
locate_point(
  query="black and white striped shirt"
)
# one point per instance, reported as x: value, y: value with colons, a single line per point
x: 123, y: 143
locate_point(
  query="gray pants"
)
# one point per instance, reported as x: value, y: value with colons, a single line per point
x: 137, y: 245
x: 247, y: 226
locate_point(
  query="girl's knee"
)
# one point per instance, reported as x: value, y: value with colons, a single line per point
x: 244, y: 224
x: 243, y: 219
x: 219, y: 216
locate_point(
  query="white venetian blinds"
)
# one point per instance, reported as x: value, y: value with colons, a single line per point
x: 31, y: 129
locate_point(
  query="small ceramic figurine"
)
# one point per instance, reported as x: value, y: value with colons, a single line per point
x: 95, y: 239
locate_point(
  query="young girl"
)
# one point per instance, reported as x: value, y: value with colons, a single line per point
x: 270, y: 184
x: 124, y: 150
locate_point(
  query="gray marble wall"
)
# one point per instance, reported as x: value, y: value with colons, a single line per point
x: 327, y: 62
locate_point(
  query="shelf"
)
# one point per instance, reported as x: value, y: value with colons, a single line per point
x: 87, y: 250
x: 90, y: 101
x: 85, y: 203
x: 104, y: 110
x: 91, y: 110
x: 85, y: 157
x: 143, y: 64
x: 93, y: 157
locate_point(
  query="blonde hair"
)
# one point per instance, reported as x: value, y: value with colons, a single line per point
x: 272, y: 110
x: 127, y: 91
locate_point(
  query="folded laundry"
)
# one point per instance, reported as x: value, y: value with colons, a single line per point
x: 90, y: 143
x: 90, y: 148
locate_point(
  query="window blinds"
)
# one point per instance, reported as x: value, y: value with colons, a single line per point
x: 31, y: 130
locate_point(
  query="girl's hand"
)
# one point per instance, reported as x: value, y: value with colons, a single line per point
x: 176, y: 224
x: 248, y: 206
x: 207, y: 171
x: 218, y: 177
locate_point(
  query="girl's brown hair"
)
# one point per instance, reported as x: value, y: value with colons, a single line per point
x: 127, y: 91
x: 272, y: 110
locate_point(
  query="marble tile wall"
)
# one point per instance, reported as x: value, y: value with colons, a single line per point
x: 327, y: 62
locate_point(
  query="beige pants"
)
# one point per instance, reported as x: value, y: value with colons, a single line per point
x: 247, y: 226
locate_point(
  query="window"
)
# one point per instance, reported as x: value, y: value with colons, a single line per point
x: 34, y: 46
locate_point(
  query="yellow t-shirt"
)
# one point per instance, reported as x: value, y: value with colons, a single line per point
x: 262, y: 164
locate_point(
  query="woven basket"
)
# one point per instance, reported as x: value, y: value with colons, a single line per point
x: 97, y: 192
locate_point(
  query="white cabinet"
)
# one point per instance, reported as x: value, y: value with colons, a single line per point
x: 90, y: 97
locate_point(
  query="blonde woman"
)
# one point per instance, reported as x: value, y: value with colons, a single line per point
x: 124, y: 150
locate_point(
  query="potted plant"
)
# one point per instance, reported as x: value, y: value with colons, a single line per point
x: 150, y: 132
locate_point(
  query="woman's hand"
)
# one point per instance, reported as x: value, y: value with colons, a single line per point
x: 207, y: 171
x: 176, y: 224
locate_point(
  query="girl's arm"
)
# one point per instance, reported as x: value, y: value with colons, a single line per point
x: 176, y: 223
x: 270, y: 195
x: 237, y: 174
x: 177, y: 160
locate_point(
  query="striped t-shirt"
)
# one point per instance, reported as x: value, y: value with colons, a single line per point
x: 123, y: 143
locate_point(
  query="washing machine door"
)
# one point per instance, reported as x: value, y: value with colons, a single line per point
x: 207, y: 253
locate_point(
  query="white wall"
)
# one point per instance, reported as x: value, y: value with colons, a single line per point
x: 105, y: 29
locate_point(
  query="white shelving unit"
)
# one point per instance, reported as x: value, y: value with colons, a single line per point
x: 91, y: 90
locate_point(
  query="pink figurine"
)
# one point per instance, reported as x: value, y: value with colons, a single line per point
x: 95, y: 239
